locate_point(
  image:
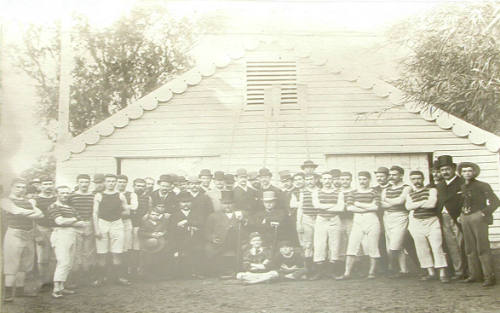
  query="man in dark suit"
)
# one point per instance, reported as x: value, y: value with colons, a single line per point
x: 449, y: 204
x: 165, y: 194
x: 246, y: 200
x: 201, y: 201
x: 477, y: 213
x: 221, y: 235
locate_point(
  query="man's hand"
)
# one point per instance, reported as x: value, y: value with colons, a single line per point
x: 216, y: 241
x: 275, y: 224
x: 79, y: 224
x: 98, y: 234
x: 182, y: 223
x: 238, y: 215
x: 193, y: 228
x: 300, y: 229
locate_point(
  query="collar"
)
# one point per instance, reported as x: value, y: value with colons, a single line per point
x: 194, y: 195
x: 384, y: 186
x: 451, y: 180
x: 244, y: 188
x: 59, y: 203
x: 255, y: 251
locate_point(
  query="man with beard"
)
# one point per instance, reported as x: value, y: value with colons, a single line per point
x: 205, y: 178
x: 200, y: 201
x: 477, y: 213
x: 44, y: 251
x: 246, y: 200
x: 396, y: 219
x: 165, y: 194
x: 450, y: 204
x: 328, y: 227
x: 306, y: 219
x: 265, y: 176
x: 19, y: 244
x: 82, y: 200
x: 425, y: 228
x: 216, y: 193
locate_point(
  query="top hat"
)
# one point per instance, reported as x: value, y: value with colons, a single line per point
x: 308, y: 163
x: 382, y: 170
x: 445, y: 160
x: 205, y: 172
x: 265, y: 172
x: 166, y: 178
x: 268, y: 195
x: 229, y: 178
x: 219, y: 175
x: 184, y: 196
x: 285, y: 175
x: 226, y: 196
x: 474, y: 166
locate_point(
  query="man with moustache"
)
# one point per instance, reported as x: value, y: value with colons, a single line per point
x: 246, y: 200
x: 205, y: 177
x: 382, y: 178
x: 200, y: 200
x: 216, y: 193
x: 165, y: 194
x: 449, y: 204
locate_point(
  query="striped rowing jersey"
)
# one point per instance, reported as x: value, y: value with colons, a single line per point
x: 328, y: 198
x: 420, y: 195
x: 61, y: 210
x: 363, y: 196
x: 19, y: 221
x: 83, y: 204
x: 392, y: 192
x: 307, y: 203
x: 43, y: 204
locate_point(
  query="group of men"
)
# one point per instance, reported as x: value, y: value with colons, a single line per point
x: 200, y: 226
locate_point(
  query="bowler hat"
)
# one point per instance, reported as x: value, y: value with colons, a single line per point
x: 241, y: 172
x: 184, y: 196
x: 268, y: 195
x: 253, y: 175
x: 226, y: 196
x: 181, y: 179
x: 445, y: 160
x: 205, y: 172
x: 98, y: 178
x: 166, y: 178
x: 474, y: 166
x: 265, y: 172
x: 308, y: 163
x: 335, y: 173
x: 382, y: 170
x: 152, y: 245
x: 193, y: 179
x: 398, y: 169
x: 229, y: 178
x: 285, y: 175
x: 219, y: 175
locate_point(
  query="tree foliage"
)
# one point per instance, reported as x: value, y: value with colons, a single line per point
x: 454, y: 62
x: 112, y: 66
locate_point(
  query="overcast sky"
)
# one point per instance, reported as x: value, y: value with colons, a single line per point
x: 245, y: 16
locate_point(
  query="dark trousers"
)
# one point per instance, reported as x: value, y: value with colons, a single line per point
x: 477, y: 245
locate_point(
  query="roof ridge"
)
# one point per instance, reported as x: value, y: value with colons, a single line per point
x: 179, y: 85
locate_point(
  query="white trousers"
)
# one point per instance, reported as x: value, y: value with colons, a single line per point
x: 365, y: 233
x: 428, y: 239
x: 63, y: 240
x: 327, y: 238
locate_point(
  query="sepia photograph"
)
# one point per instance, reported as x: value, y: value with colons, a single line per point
x: 259, y: 156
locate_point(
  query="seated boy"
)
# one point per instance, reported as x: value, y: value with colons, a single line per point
x: 152, y: 238
x: 289, y: 262
x: 256, y: 263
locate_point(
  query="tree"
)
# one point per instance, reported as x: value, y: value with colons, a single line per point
x: 455, y: 61
x: 112, y: 66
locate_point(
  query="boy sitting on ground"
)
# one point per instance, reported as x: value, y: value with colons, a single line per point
x: 289, y: 262
x: 256, y: 263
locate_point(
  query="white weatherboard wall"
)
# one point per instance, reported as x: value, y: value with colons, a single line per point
x: 336, y: 117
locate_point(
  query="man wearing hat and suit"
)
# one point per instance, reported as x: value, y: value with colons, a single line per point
x: 288, y: 189
x: 265, y: 185
x: 479, y: 203
x: 436, y: 175
x: 246, y: 199
x: 271, y: 219
x: 309, y: 167
x: 216, y: 193
x: 253, y: 180
x: 396, y: 219
x: 165, y: 194
x: 205, y: 177
x: 201, y: 201
x: 450, y: 204
x: 186, y: 227
x: 221, y: 234
x: 228, y: 182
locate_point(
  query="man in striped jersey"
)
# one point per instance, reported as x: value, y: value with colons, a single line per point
x: 19, y: 244
x: 132, y: 203
x: 382, y: 177
x: 82, y: 201
x: 425, y: 228
x: 44, y: 253
x: 63, y: 239
x: 345, y: 180
x: 396, y: 219
x: 328, y: 227
x: 364, y: 203
x: 109, y: 206
x: 306, y: 219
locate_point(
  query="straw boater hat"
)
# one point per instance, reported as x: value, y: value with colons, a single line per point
x: 308, y: 163
x: 474, y: 166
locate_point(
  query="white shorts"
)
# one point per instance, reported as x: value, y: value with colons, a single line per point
x: 112, y: 237
x: 365, y: 233
x: 135, y: 239
x: 127, y: 234
x: 396, y: 228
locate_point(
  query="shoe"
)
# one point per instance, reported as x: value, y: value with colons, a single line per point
x: 343, y: 277
x: 67, y: 292
x: 97, y: 283
x: 71, y: 286
x: 490, y: 281
x: 427, y: 278
x: 371, y: 276
x: 469, y: 280
x: 316, y: 276
x: 457, y: 277
x: 57, y: 294
x: 123, y: 281
x: 445, y: 279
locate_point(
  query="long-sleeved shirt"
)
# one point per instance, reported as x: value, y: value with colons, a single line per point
x: 83, y: 204
x: 17, y: 209
x: 324, y: 200
x: 422, y: 202
x: 478, y: 196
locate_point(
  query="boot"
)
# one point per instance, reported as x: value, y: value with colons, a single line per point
x: 8, y: 294
x: 21, y: 293
x: 319, y: 271
x: 308, y: 263
x: 489, y: 281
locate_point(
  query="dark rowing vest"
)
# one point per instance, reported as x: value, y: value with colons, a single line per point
x: 392, y: 193
x: 328, y: 198
x: 142, y: 209
x: 419, y: 196
x: 18, y: 221
x: 110, y: 208
x: 307, y: 204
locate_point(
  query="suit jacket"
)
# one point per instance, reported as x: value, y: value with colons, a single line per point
x: 215, y: 195
x: 478, y: 196
x: 246, y: 201
x: 203, y: 205
x: 219, y: 227
x: 183, y: 237
x: 449, y: 197
x: 170, y: 202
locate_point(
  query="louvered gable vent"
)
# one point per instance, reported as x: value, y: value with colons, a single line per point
x: 264, y: 74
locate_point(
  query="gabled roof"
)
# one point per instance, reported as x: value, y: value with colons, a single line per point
x: 194, y: 76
